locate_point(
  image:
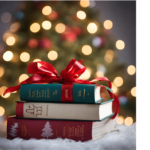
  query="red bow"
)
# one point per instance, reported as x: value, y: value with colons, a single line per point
x: 44, y: 72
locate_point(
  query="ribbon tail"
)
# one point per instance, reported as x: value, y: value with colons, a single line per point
x: 11, y: 89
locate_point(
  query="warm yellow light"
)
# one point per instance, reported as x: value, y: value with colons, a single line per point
x: 46, y: 10
x: 1, y: 71
x: 92, y: 28
x: 8, y: 55
x: 108, y: 24
x: 36, y: 60
x: 120, y: 44
x: 2, y: 89
x: 23, y: 77
x: 24, y: 56
x: 35, y: 27
x: 86, y: 75
x: 15, y: 57
x: 86, y: 50
x: 110, y: 52
x: 46, y: 25
x: 60, y: 28
x: 108, y: 58
x: 114, y: 88
x: 6, y: 35
x: 5, y: 122
x: 2, y: 111
x: 118, y: 81
x: 120, y: 120
x: 10, y: 41
x: 6, y: 95
x: 52, y: 55
x: 81, y: 15
x: 99, y: 74
x: 84, y: 3
x: 128, y: 121
x: 14, y: 27
x: 131, y: 70
x: 133, y: 91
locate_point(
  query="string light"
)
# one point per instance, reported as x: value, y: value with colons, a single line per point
x: 133, y: 91
x: 120, y: 120
x: 14, y: 27
x: 131, y: 70
x: 92, y: 28
x: 6, y: 17
x: 2, y: 89
x: 120, y: 45
x: 118, y: 81
x: 36, y: 60
x: 109, y: 56
x: 6, y: 35
x: 108, y: 24
x: 99, y: 74
x: 52, y: 55
x: 23, y: 77
x: 84, y: 3
x: 81, y: 15
x: 8, y: 55
x: 24, y: 57
x: 1, y: 71
x: 86, y: 75
x: 10, y: 41
x: 128, y: 121
x: 46, y: 10
x: 2, y: 111
x: 46, y: 25
x: 86, y: 50
x: 114, y: 88
x: 35, y: 27
x: 60, y: 28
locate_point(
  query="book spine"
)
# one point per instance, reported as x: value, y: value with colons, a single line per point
x: 79, y: 93
x: 48, y: 129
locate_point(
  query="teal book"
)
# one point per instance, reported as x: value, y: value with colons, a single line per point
x: 79, y: 93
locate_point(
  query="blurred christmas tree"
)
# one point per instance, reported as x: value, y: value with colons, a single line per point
x: 56, y: 32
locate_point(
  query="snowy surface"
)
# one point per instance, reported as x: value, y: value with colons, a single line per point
x: 124, y: 139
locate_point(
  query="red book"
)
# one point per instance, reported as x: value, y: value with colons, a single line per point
x: 52, y: 129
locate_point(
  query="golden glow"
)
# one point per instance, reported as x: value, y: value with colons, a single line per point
x: 35, y: 27
x: 128, y: 121
x: 92, y: 28
x: 60, y: 28
x: 99, y: 74
x: 118, y: 81
x: 52, y: 55
x: 86, y: 50
x: 36, y: 60
x: 24, y: 57
x: 2, y: 111
x: 120, y: 45
x: 14, y: 27
x: 5, y: 122
x: 131, y: 70
x: 2, y: 89
x: 108, y: 24
x: 15, y: 57
x: 109, y: 55
x: 114, y: 88
x: 23, y: 77
x: 46, y: 10
x: 86, y: 75
x: 120, y: 120
x: 84, y: 3
x: 133, y: 91
x: 8, y: 55
x: 6, y: 95
x: 10, y: 41
x: 46, y: 25
x: 1, y: 71
x: 81, y: 15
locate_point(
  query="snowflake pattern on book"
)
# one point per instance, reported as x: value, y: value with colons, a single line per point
x: 13, y: 130
x: 47, y: 131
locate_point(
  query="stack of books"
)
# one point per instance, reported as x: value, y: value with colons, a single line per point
x: 49, y: 111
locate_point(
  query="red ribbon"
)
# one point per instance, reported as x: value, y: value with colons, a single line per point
x: 44, y: 72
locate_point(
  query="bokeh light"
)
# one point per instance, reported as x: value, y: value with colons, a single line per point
x: 114, y: 88
x: 120, y: 44
x: 86, y: 75
x: 118, y: 81
x: 10, y: 41
x: 120, y: 120
x: 46, y: 10
x: 92, y: 28
x: 1, y: 71
x: 131, y: 70
x: 97, y: 41
x: 81, y: 15
x: 52, y: 55
x: 6, y: 17
x: 133, y: 91
x: 8, y: 55
x: 46, y: 25
x: 24, y: 57
x: 109, y: 55
x: 84, y: 3
x: 2, y: 111
x: 99, y: 74
x: 35, y: 27
x: 32, y: 43
x: 36, y: 60
x: 128, y: 121
x: 14, y: 27
x: 2, y: 89
x: 6, y: 95
x: 86, y: 50
x: 60, y: 28
x: 23, y: 77
x: 108, y: 24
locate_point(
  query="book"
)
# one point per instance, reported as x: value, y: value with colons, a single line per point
x: 69, y: 111
x: 51, y: 129
x: 77, y: 93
